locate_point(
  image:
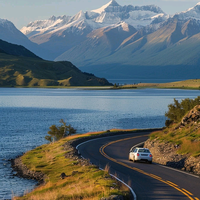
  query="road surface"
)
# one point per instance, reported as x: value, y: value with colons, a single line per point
x: 149, y: 181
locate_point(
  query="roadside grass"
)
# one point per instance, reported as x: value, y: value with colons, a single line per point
x: 187, y: 139
x: 81, y: 182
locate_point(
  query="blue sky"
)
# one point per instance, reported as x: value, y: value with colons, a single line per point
x: 21, y: 12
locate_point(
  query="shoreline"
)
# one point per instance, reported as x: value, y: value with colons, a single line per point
x: 70, y: 146
x: 23, y: 171
x: 190, y: 84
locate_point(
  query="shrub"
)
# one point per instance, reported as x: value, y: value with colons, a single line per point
x: 168, y: 122
x: 177, y: 110
x: 58, y: 132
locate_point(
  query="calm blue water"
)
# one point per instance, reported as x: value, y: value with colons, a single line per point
x: 27, y: 114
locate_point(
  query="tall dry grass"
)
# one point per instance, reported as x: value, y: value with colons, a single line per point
x: 107, y: 168
x: 189, y: 147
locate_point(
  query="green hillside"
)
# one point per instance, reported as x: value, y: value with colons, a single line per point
x: 35, y: 72
x: 15, y: 50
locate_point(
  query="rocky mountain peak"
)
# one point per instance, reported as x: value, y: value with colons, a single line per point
x: 196, y: 7
x: 7, y: 24
x: 113, y: 3
x: 111, y: 6
x: 53, y: 18
x: 193, y: 13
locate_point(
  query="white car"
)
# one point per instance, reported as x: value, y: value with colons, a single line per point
x: 143, y: 154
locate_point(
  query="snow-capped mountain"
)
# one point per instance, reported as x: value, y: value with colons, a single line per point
x: 191, y: 13
x: 9, y: 33
x: 45, y: 25
x: 109, y: 14
x: 168, y: 49
x: 62, y: 33
x: 123, y: 40
x: 136, y: 16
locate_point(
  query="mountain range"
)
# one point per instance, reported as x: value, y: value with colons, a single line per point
x: 117, y: 41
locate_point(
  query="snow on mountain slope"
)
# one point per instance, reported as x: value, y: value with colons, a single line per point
x: 112, y: 6
x: 100, y: 43
x: 9, y: 33
x: 193, y: 13
x: 107, y: 15
x: 44, y: 25
x: 137, y: 16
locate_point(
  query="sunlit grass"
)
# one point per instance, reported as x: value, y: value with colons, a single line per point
x: 187, y: 138
x: 187, y: 84
x: 81, y: 182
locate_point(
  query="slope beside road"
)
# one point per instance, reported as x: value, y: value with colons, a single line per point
x: 149, y: 181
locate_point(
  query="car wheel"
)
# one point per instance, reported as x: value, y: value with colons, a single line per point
x: 150, y: 162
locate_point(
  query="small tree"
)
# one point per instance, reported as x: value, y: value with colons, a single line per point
x: 178, y: 109
x: 116, y: 85
x: 58, y: 132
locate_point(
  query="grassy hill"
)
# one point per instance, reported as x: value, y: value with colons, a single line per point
x: 21, y: 67
x: 35, y: 72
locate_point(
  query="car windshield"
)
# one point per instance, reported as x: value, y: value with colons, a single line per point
x: 144, y: 150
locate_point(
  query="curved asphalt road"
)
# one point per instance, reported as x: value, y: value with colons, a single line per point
x: 149, y: 181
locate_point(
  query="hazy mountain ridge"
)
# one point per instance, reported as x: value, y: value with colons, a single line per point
x: 118, y: 40
x: 9, y: 33
x: 63, y: 33
x: 173, y: 45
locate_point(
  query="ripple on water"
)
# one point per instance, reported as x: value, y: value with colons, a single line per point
x: 27, y: 114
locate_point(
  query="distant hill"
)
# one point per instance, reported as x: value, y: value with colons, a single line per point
x: 20, y: 67
x: 34, y: 72
x: 15, y: 50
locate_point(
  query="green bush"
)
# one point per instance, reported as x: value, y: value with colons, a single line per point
x: 168, y: 122
x: 58, y: 132
x: 177, y: 110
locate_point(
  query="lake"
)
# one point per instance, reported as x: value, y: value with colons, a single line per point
x: 27, y: 114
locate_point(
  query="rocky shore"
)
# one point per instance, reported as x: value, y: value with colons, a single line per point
x: 70, y: 147
x: 22, y: 171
